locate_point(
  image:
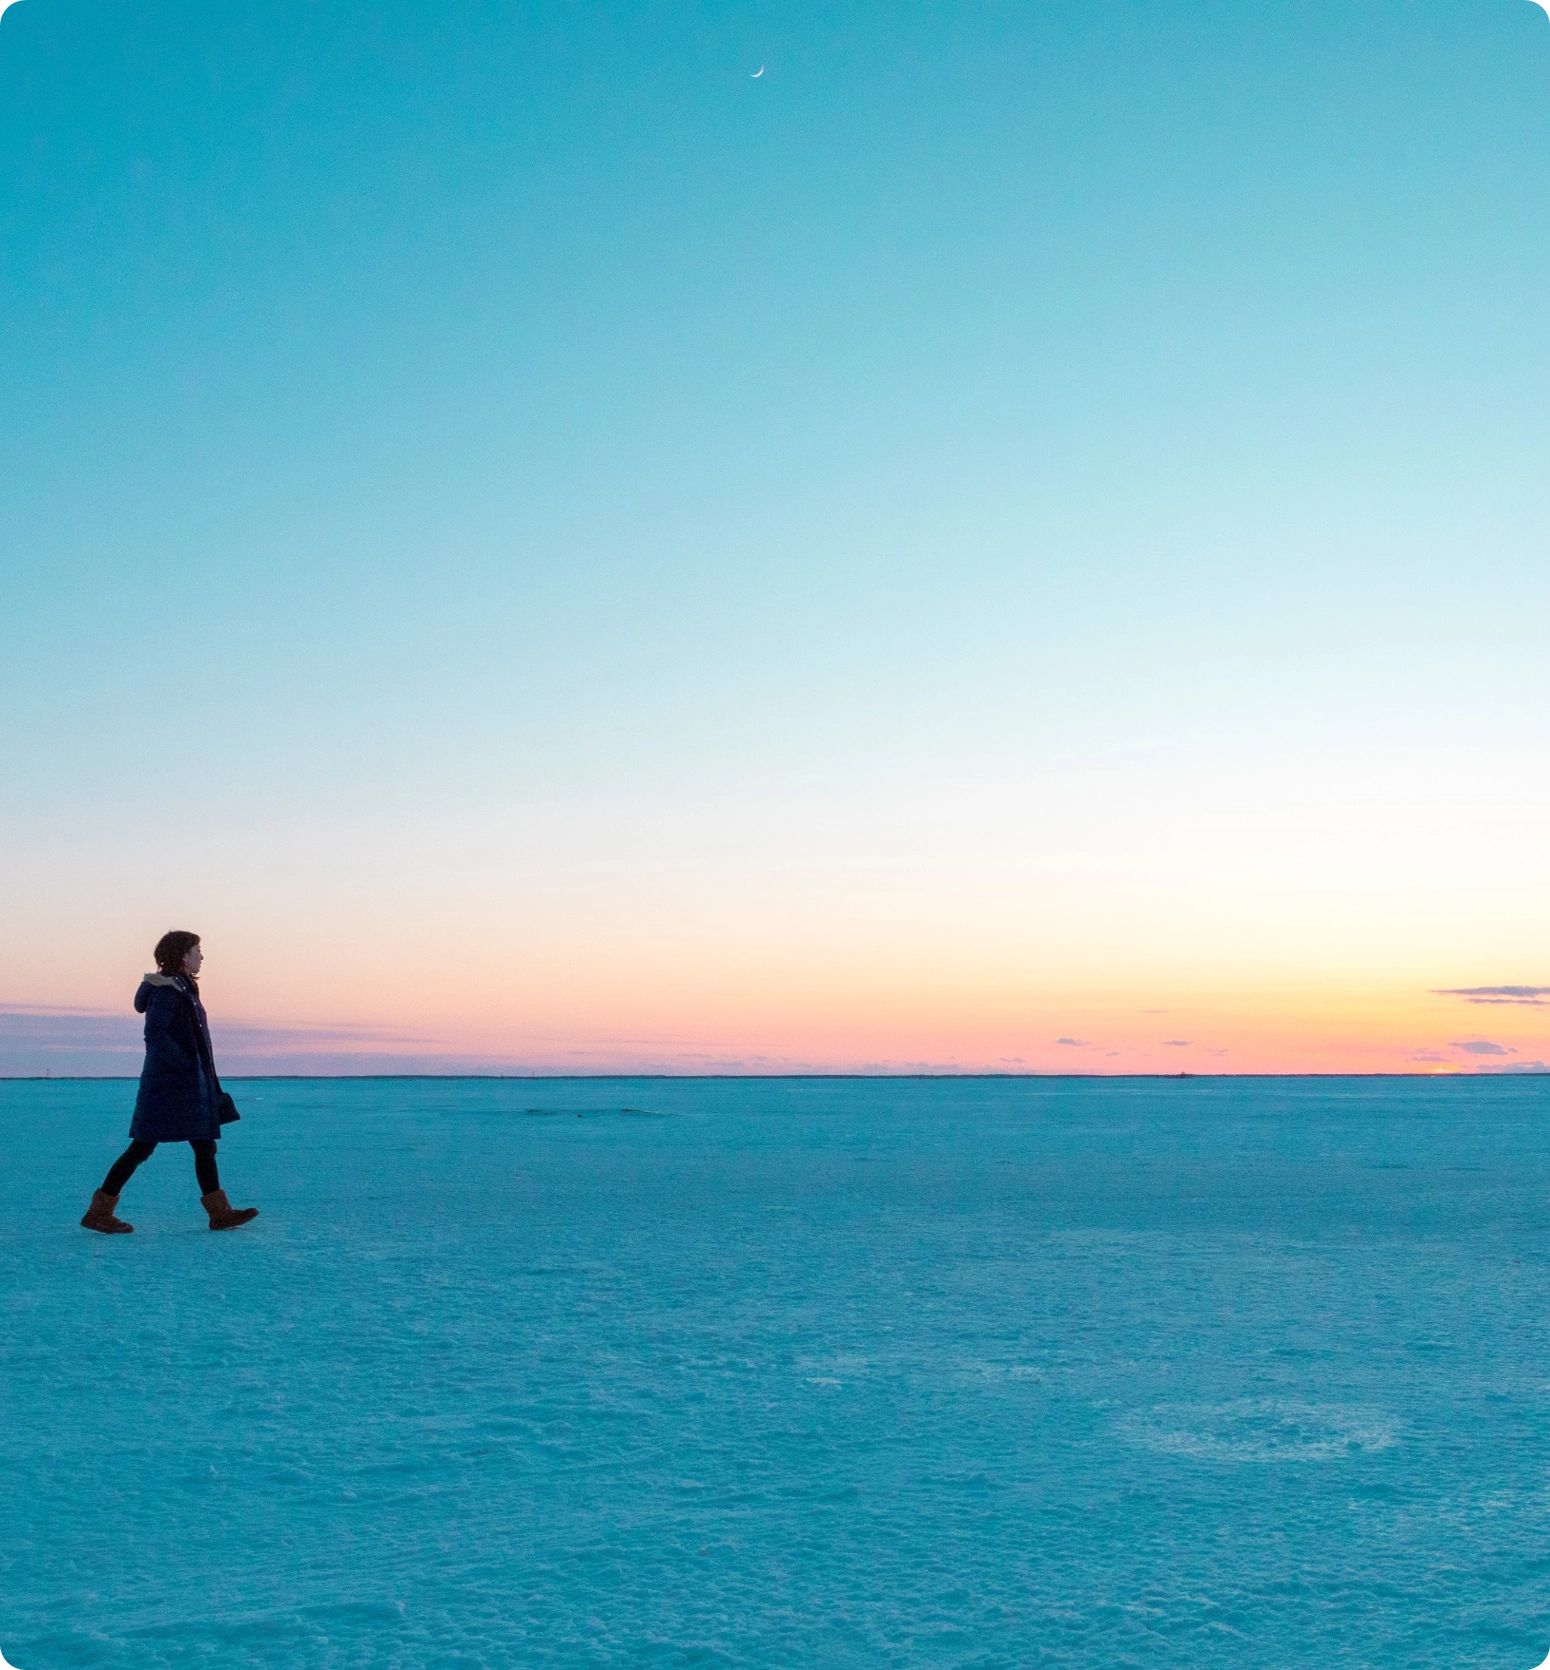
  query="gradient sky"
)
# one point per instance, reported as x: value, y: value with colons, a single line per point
x: 1026, y: 522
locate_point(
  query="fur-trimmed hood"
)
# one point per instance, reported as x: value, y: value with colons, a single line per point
x: 150, y: 982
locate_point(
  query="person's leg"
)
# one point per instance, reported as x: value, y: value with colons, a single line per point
x: 126, y: 1165
x: 223, y: 1215
x: 205, y: 1168
x: 99, y: 1215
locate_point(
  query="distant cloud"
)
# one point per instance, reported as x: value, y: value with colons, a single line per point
x: 1482, y: 1046
x: 36, y: 1040
x: 1426, y: 1055
x: 1530, y: 997
x: 1520, y: 1067
x: 1075, y: 1043
x: 56, y: 1009
x: 1176, y: 1043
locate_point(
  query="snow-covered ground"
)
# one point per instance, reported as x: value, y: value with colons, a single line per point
x: 785, y: 1373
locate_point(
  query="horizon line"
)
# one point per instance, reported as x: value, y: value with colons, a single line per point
x: 251, y: 1078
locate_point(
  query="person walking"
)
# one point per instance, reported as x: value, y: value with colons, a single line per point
x: 180, y: 1098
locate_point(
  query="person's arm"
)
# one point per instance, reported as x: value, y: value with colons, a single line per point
x: 160, y: 1044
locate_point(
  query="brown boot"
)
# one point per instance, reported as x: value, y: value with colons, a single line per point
x: 99, y: 1216
x: 223, y: 1215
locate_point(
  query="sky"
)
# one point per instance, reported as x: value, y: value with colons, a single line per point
x: 1015, y: 540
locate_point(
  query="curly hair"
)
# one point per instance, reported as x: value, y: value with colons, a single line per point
x: 172, y: 948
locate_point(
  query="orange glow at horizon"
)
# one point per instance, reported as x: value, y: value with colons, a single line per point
x: 912, y: 1022
x: 1038, y: 925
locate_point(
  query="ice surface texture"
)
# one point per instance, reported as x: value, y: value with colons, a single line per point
x: 785, y: 1373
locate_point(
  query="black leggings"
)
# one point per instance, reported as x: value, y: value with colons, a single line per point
x: 125, y: 1166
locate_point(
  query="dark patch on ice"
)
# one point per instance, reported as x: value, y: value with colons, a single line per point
x: 594, y: 1113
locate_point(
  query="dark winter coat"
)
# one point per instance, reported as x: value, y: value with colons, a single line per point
x: 180, y: 1097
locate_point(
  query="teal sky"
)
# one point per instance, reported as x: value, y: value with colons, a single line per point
x: 470, y: 465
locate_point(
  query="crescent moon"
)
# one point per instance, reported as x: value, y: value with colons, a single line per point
x: 754, y: 77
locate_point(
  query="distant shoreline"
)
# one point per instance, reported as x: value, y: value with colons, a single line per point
x: 603, y: 1078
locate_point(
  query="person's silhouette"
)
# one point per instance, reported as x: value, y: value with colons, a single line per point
x: 180, y: 1097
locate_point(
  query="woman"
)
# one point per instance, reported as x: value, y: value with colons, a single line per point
x: 180, y: 1098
